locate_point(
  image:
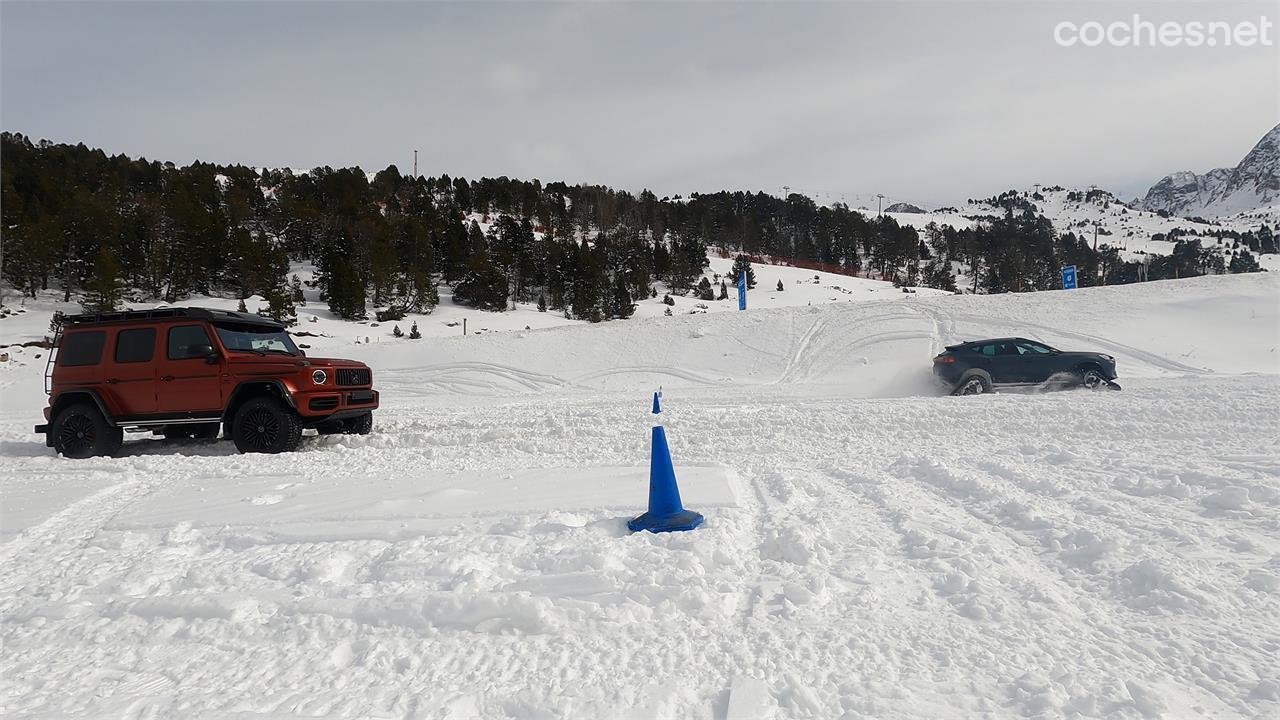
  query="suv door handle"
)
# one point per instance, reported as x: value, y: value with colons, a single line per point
x: 167, y: 378
x: 112, y: 381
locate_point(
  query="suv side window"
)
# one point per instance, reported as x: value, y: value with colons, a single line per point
x: 82, y: 348
x: 135, y: 345
x: 185, y: 340
x: 986, y: 350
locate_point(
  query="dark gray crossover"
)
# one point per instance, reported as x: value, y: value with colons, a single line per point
x: 976, y: 367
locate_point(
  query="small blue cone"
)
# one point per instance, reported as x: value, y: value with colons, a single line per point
x: 666, y: 513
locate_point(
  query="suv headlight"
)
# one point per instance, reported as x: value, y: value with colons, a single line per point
x: 319, y: 376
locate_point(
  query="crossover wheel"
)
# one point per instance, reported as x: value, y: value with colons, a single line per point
x: 1091, y: 379
x: 972, y: 385
x: 80, y: 431
x: 263, y: 425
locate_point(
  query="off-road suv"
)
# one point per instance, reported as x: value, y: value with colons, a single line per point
x: 190, y: 372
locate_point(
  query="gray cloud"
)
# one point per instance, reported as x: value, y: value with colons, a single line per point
x: 926, y: 102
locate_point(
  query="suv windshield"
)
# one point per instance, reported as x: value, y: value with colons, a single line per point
x: 255, y: 338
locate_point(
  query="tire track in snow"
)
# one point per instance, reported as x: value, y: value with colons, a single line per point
x: 654, y: 369
x: 803, y: 345
x: 759, y: 501
x: 451, y: 376
x: 944, y: 327
x: 816, y: 350
x: 58, y: 542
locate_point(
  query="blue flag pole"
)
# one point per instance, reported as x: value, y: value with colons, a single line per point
x: 742, y: 291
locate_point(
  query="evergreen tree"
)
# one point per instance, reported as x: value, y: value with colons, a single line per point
x: 1267, y: 241
x: 343, y: 289
x: 104, y: 290
x: 484, y: 288
x: 588, y: 285
x: 742, y: 264
x: 280, y: 306
x: 704, y: 290
x: 397, y: 332
x: 413, y: 332
x: 937, y: 274
x: 621, y: 306
x: 780, y: 287
x: 242, y: 307
x: 724, y: 291
x: 1244, y: 262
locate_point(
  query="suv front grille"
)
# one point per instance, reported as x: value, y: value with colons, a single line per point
x: 353, y: 376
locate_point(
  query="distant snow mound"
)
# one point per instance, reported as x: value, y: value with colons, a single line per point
x: 902, y: 207
x: 1252, y: 184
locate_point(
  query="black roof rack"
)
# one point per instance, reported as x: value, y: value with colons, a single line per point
x: 169, y: 313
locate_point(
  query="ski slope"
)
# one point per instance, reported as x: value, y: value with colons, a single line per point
x: 873, y: 548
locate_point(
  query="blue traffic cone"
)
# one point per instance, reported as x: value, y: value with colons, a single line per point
x: 665, y: 514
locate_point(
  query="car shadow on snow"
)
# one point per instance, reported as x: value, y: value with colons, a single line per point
x: 36, y: 448
x: 219, y: 447
x: 145, y: 446
x: 174, y: 446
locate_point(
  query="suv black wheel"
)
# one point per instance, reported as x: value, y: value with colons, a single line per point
x: 263, y: 425
x: 80, y: 431
x: 358, y: 425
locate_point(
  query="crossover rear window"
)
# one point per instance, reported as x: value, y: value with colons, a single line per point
x: 82, y: 348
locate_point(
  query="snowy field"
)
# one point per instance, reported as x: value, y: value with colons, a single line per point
x: 30, y: 320
x: 872, y: 548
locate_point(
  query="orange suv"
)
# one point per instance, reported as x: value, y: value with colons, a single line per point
x: 190, y: 372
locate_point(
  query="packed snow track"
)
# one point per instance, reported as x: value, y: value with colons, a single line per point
x: 873, y: 548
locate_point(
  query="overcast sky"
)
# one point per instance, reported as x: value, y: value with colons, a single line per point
x: 925, y: 102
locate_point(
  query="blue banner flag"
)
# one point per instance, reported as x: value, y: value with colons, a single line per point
x: 742, y: 291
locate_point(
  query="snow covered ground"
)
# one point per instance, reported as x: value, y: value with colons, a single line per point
x: 872, y: 548
x: 30, y: 320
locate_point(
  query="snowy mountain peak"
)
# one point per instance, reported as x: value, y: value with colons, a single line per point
x: 1252, y: 184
